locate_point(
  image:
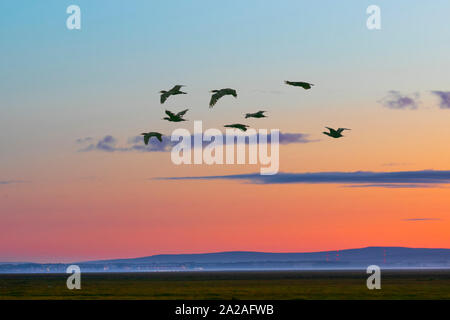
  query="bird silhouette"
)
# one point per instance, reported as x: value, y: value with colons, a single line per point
x: 174, y: 91
x: 217, y: 94
x: 178, y: 117
x: 335, y: 133
x: 259, y: 114
x: 239, y: 126
x: 304, y: 85
x: 148, y: 135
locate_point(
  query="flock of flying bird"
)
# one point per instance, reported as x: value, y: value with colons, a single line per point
x: 216, y: 95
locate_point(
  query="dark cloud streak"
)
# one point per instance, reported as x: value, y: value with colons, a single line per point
x: 416, y: 179
x: 6, y: 182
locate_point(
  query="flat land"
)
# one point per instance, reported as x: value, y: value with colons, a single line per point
x: 279, y: 285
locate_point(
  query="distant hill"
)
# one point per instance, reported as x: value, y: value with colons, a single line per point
x: 385, y: 257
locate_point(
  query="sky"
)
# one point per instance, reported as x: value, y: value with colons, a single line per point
x: 66, y: 197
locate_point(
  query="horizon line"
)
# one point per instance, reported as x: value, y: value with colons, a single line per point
x: 221, y: 252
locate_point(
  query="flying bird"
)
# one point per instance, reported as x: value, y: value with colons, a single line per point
x: 174, y: 91
x: 148, y: 135
x: 239, y: 126
x: 259, y: 114
x: 175, y: 117
x: 304, y: 85
x: 335, y: 133
x: 217, y: 94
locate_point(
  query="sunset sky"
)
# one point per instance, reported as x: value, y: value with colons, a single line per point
x: 64, y: 197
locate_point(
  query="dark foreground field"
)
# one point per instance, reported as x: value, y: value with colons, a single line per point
x: 414, y: 284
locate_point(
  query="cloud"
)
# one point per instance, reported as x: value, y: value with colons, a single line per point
x: 359, y: 178
x: 84, y: 140
x: 109, y: 143
x: 4, y: 182
x: 137, y: 144
x: 422, y: 219
x: 444, y: 98
x: 397, y: 100
x: 287, y: 138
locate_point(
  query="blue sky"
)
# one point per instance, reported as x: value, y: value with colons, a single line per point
x: 104, y: 78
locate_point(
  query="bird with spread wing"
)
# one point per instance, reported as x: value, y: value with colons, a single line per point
x: 304, y: 85
x: 335, y: 133
x: 175, y: 117
x: 239, y: 126
x: 217, y: 94
x: 174, y: 91
x: 259, y: 114
x: 148, y: 135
